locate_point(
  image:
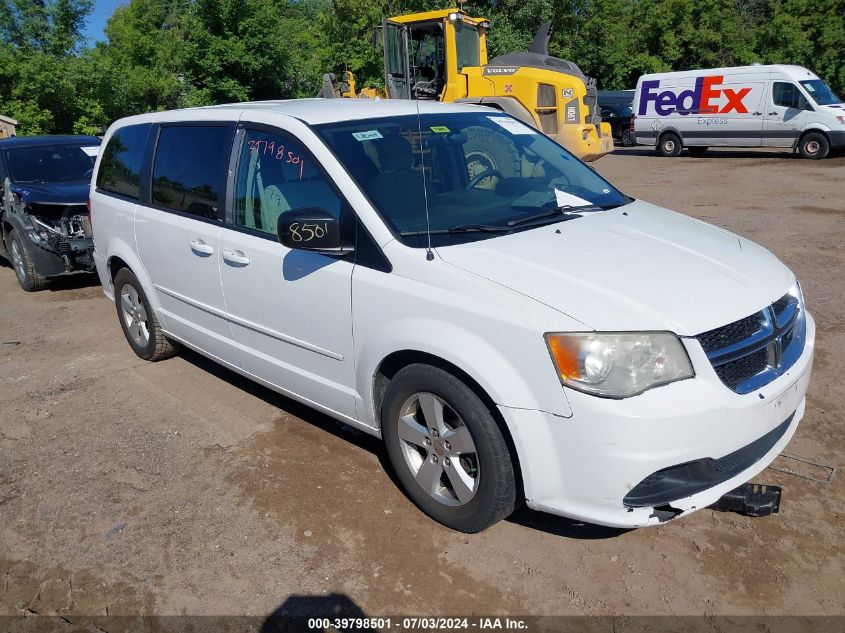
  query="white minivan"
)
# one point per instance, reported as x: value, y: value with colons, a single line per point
x: 748, y: 106
x: 512, y: 325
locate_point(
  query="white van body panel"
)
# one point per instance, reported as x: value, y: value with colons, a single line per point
x: 483, y: 308
x: 731, y: 107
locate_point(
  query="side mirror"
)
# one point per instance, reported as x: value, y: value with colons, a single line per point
x: 312, y: 229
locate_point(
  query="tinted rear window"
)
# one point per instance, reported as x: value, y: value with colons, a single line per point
x: 189, y: 170
x: 120, y: 167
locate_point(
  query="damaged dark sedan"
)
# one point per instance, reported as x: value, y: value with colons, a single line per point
x: 44, y: 221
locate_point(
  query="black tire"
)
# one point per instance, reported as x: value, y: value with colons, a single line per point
x: 21, y: 260
x: 494, y: 497
x: 669, y: 145
x: 814, y: 145
x: 697, y: 151
x: 627, y: 138
x: 157, y: 345
x: 485, y: 150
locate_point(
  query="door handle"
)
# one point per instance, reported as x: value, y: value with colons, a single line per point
x: 201, y: 248
x: 757, y: 113
x: 772, y: 113
x: 236, y: 257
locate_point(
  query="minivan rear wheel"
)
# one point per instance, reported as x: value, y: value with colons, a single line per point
x: 447, y: 450
x: 670, y: 145
x: 814, y: 145
x: 138, y: 321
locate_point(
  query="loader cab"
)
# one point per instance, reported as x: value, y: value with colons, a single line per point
x: 425, y: 54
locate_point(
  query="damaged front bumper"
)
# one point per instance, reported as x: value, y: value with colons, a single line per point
x: 660, y: 455
x: 62, y: 237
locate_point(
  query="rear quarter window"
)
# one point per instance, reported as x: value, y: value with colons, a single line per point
x: 189, y: 170
x: 120, y: 167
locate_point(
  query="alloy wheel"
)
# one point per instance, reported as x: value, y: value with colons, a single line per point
x: 17, y: 261
x: 134, y: 315
x: 438, y: 449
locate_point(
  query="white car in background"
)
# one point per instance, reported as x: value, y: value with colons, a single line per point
x: 513, y: 326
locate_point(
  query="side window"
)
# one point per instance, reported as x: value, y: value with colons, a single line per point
x: 274, y: 176
x: 787, y: 95
x: 189, y: 170
x: 120, y: 167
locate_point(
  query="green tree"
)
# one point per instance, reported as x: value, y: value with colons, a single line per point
x: 39, y: 45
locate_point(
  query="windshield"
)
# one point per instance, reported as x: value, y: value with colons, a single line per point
x: 467, y: 44
x: 51, y: 163
x: 481, y: 169
x: 820, y: 93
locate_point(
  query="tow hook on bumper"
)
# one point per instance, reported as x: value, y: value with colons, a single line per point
x: 753, y: 500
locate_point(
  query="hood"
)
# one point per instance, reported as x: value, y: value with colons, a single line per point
x: 72, y: 192
x: 836, y: 109
x: 638, y: 267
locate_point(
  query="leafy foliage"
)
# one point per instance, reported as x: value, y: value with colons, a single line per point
x: 162, y: 54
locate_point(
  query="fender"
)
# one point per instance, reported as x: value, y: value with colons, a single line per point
x: 509, y: 105
x: 816, y: 126
x: 440, y: 338
x: 118, y: 247
x: 653, y: 135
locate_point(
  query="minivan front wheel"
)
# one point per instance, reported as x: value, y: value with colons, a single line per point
x: 25, y: 271
x: 814, y: 145
x: 447, y: 449
x: 670, y: 145
x: 138, y: 321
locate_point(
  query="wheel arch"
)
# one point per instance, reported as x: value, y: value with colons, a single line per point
x: 121, y: 255
x: 391, y: 364
x: 508, y: 105
x: 819, y: 130
x: 669, y: 130
x: 816, y: 128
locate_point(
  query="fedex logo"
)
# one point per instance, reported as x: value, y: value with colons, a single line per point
x: 699, y: 100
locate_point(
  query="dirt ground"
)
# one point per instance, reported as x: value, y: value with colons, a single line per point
x: 129, y: 487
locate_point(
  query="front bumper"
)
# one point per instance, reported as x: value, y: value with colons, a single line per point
x: 583, y: 467
x: 588, y: 142
x: 60, y: 256
x: 837, y: 139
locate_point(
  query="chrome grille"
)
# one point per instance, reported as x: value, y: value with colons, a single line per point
x: 751, y: 352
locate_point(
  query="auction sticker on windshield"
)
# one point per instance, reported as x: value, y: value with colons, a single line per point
x: 91, y: 150
x: 369, y: 135
x: 512, y: 125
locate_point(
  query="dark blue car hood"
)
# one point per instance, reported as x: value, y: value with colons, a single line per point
x: 72, y: 192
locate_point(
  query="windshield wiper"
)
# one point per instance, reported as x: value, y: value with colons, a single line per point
x: 461, y: 228
x: 556, y: 211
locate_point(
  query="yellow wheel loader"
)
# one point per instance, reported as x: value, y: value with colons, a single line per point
x: 442, y: 55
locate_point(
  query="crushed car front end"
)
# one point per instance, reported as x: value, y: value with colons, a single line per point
x: 44, y: 217
x: 60, y: 233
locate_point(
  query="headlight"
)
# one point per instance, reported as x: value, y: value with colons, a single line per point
x: 618, y: 365
x: 795, y: 293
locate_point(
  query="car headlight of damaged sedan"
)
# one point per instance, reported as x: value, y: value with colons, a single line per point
x: 618, y: 364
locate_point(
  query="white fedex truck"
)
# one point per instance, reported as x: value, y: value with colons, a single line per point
x: 748, y: 106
